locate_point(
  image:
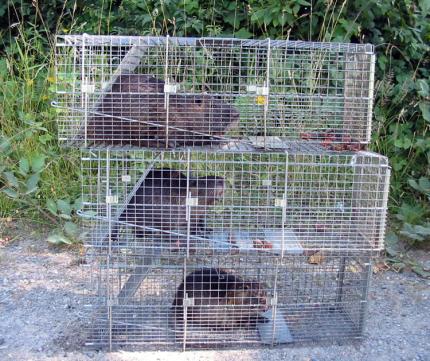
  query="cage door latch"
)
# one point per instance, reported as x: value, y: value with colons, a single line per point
x: 170, y: 88
x: 281, y: 202
x: 273, y: 301
x: 192, y: 201
x: 188, y: 302
x: 259, y: 90
x: 88, y: 88
x: 111, y: 199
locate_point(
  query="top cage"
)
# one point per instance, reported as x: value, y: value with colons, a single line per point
x: 169, y: 92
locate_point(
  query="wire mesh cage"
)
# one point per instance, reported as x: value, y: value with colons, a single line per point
x: 182, y: 202
x: 167, y: 92
x: 226, y: 301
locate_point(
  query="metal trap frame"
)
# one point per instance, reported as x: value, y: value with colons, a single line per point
x: 304, y: 301
x: 167, y: 92
x: 269, y: 202
x: 227, y: 191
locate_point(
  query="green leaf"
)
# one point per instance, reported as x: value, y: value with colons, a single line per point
x: 410, y: 213
x: 51, y: 206
x: 58, y: 239
x: 423, y: 185
x: 77, y: 204
x: 71, y: 229
x: 416, y: 233
x: 399, y: 164
x: 32, y: 183
x: 231, y: 19
x: 24, y: 166
x: 392, y: 244
x: 243, y: 34
x: 403, y: 142
x: 88, y: 214
x: 419, y: 270
x: 37, y: 162
x: 11, y: 179
x: 425, y: 6
x: 423, y: 87
x: 425, y: 110
x: 10, y: 192
x: 422, y: 230
x: 5, y: 146
x: 64, y: 207
x: 45, y: 138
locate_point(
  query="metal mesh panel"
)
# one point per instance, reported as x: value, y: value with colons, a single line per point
x: 183, y: 202
x: 252, y: 214
x: 219, y: 301
x: 163, y: 92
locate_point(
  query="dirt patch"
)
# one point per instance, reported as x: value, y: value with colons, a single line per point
x: 41, y: 314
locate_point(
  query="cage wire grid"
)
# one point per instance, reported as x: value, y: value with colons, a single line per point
x: 177, y: 202
x: 253, y: 212
x: 168, y: 92
x: 298, y: 229
x: 294, y: 300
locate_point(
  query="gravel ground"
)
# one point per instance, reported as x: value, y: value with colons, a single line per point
x: 39, y: 308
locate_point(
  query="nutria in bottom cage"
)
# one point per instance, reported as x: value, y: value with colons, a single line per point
x: 228, y: 301
x: 220, y: 300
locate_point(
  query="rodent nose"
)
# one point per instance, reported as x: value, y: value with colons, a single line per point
x: 264, y: 305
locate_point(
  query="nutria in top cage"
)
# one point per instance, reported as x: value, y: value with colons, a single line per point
x: 128, y: 91
x: 136, y: 112
x: 221, y: 300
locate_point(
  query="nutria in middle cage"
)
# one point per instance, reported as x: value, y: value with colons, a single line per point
x: 138, y: 112
x: 221, y: 300
x: 159, y: 204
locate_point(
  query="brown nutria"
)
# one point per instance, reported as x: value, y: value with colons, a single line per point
x: 159, y: 204
x: 221, y: 300
x: 133, y: 113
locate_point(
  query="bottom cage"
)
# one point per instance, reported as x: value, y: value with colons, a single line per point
x: 225, y: 301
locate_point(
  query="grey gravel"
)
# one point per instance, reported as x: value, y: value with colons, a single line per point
x: 39, y: 306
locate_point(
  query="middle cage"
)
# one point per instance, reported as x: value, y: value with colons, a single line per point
x: 182, y: 202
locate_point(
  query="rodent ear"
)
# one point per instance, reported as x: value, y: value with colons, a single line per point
x: 199, y: 100
x: 193, y: 183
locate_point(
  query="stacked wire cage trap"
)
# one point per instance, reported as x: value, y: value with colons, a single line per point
x: 227, y: 188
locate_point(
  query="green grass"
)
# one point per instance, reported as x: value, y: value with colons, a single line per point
x: 34, y: 171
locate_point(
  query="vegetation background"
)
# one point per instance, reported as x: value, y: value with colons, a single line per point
x: 40, y: 181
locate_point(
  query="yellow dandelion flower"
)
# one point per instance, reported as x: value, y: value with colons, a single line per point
x: 261, y: 100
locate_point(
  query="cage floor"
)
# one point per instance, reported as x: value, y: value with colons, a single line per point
x: 294, y: 243
x: 152, y: 327
x: 245, y: 144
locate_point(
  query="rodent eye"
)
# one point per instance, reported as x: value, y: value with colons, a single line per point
x: 198, y: 100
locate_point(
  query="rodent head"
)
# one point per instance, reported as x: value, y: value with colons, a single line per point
x: 219, y: 115
x: 209, y: 189
x: 249, y: 293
